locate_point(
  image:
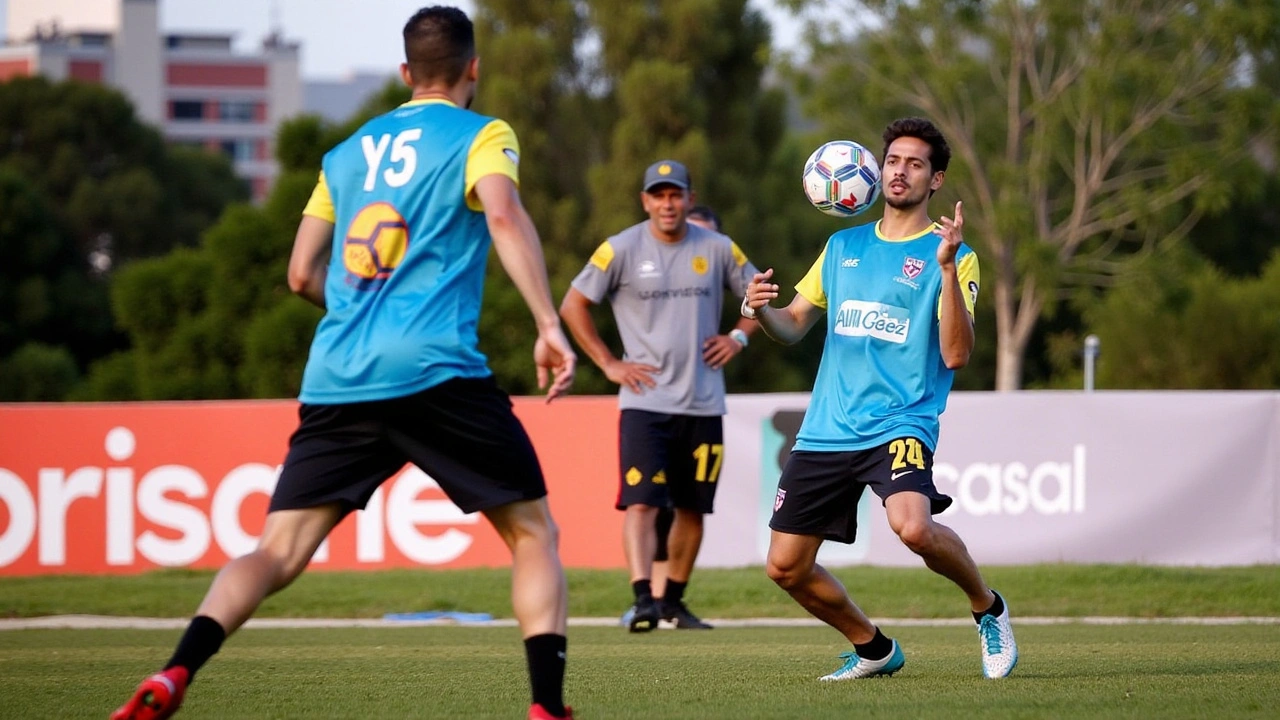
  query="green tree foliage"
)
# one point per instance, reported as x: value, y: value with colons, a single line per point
x: 84, y: 188
x: 1178, y: 322
x: 1085, y: 134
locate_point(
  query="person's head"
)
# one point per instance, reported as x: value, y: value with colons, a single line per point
x: 705, y: 217
x: 914, y: 163
x: 440, y: 50
x: 667, y: 195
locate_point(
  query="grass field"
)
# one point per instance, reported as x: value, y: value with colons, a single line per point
x: 1078, y: 669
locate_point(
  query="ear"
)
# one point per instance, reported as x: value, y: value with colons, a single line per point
x: 473, y: 69
x: 405, y: 75
x: 938, y: 177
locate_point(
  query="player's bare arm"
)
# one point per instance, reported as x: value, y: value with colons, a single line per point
x: 519, y: 250
x: 309, y: 260
x: 785, y: 325
x: 575, y: 310
x: 955, y: 325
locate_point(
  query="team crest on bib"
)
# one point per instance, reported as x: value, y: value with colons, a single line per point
x: 700, y: 265
x: 777, y: 500
x: 911, y: 267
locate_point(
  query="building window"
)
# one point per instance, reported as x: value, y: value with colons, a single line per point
x: 239, y: 111
x: 238, y: 150
x: 188, y: 110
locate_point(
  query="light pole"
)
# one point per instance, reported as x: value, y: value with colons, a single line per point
x: 1092, y: 346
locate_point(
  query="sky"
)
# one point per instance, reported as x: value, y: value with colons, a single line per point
x: 339, y: 37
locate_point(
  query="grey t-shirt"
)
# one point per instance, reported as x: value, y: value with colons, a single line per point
x: 666, y: 299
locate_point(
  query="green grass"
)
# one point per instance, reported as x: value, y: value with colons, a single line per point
x: 1075, y: 670
x: 1046, y: 590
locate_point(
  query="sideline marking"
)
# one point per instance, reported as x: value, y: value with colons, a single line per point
x: 107, y: 622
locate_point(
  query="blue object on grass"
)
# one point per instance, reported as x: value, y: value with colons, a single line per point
x: 452, y: 615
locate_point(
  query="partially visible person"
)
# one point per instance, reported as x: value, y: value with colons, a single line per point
x: 665, y: 279
x: 899, y: 297
x: 393, y: 245
x: 706, y: 218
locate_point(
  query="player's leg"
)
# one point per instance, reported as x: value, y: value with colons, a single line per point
x: 464, y: 434
x: 817, y: 499
x: 696, y: 455
x: 643, y: 439
x: 904, y: 480
x: 662, y: 556
x: 322, y: 479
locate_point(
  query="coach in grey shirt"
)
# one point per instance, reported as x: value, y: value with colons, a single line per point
x: 665, y: 280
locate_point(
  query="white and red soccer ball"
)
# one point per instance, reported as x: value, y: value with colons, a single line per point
x: 841, y: 178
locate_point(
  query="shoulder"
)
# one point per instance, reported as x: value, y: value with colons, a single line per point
x: 628, y: 238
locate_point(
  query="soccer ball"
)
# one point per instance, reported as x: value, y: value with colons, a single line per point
x: 841, y: 178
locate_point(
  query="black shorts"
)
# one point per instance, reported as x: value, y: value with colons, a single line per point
x: 462, y: 433
x: 669, y: 460
x: 818, y: 493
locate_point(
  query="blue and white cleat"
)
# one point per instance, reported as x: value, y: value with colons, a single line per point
x: 855, y: 668
x: 999, y: 650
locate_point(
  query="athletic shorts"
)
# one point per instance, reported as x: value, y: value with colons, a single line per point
x: 669, y: 460
x: 818, y: 493
x: 462, y: 433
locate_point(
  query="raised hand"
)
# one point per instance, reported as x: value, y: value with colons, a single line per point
x: 951, y: 232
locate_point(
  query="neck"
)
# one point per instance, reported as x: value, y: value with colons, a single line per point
x: 671, y: 237
x: 904, y: 222
x: 433, y: 94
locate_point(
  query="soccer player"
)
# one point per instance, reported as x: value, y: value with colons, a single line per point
x: 899, y: 296
x: 393, y: 244
x: 665, y: 280
x: 706, y: 218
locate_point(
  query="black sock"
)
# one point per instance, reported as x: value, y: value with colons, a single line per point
x: 878, y: 648
x: 546, y: 657
x: 674, y: 592
x: 202, y: 639
x: 643, y: 590
x: 995, y: 610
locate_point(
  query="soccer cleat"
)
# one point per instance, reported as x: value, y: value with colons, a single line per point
x: 645, y: 617
x: 537, y: 712
x: 625, y: 621
x: 157, y: 698
x: 855, y: 668
x: 999, y: 651
x: 684, y: 620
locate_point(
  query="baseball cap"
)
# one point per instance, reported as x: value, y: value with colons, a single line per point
x: 666, y: 172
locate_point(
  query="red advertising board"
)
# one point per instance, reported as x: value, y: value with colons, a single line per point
x: 122, y: 488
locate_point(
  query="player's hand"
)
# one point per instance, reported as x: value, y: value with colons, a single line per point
x: 555, y: 361
x: 718, y: 350
x: 635, y: 376
x: 951, y: 232
x: 760, y: 291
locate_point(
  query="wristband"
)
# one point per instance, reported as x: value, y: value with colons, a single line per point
x: 740, y: 336
x: 748, y: 312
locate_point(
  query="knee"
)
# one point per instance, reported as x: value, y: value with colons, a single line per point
x: 918, y: 536
x: 285, y: 564
x: 786, y: 573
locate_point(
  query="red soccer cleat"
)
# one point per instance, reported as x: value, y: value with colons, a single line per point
x: 158, y: 697
x: 537, y: 712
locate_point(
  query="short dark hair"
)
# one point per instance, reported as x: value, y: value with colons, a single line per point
x: 705, y: 214
x: 439, y: 41
x: 916, y: 127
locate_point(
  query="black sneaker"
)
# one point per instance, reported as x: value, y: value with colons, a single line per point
x: 645, y: 617
x: 684, y: 620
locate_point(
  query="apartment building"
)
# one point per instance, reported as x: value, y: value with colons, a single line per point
x: 195, y: 87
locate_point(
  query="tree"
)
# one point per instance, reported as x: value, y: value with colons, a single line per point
x: 1176, y: 321
x: 84, y: 187
x: 1085, y: 133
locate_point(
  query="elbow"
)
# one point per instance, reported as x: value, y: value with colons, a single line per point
x: 299, y: 279
x: 955, y: 360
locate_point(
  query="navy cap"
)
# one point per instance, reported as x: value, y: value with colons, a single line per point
x: 666, y: 172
